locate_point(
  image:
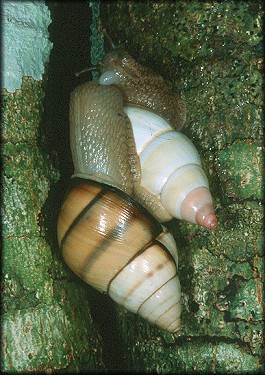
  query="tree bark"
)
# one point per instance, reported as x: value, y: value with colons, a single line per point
x: 44, y: 326
x: 212, y: 53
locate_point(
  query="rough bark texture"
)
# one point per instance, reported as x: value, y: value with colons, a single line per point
x: 44, y: 326
x: 213, y: 55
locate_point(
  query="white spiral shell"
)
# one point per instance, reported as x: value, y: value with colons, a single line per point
x: 171, y: 168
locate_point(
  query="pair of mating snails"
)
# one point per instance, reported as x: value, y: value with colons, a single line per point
x: 133, y: 170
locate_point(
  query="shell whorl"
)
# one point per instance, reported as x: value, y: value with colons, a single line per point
x: 171, y: 169
x: 115, y: 245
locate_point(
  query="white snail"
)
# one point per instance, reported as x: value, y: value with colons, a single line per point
x: 135, y: 171
x: 171, y: 172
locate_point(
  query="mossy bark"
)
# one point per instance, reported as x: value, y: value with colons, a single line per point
x: 44, y: 327
x: 213, y: 55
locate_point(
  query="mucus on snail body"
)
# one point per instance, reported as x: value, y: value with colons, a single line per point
x: 133, y: 170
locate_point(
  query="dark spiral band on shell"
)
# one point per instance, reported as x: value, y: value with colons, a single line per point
x: 114, y: 244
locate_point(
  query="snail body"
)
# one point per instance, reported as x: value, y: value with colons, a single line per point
x: 101, y: 137
x: 142, y: 87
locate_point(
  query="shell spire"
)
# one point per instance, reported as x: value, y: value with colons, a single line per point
x: 206, y: 217
x: 197, y: 207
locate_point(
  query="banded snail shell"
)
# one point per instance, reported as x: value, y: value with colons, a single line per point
x: 111, y: 242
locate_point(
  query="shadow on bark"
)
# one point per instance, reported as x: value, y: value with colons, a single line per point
x: 69, y: 32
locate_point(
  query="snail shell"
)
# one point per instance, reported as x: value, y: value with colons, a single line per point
x: 171, y: 169
x: 115, y: 245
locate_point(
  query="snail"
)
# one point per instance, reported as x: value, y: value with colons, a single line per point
x: 133, y: 170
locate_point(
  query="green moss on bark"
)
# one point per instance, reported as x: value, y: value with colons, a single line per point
x: 45, y: 327
x: 213, y: 55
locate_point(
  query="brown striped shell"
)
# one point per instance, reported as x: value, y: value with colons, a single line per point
x: 111, y: 242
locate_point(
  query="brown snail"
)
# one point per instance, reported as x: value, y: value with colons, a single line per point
x: 108, y: 227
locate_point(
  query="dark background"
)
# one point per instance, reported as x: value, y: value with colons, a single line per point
x: 69, y: 33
